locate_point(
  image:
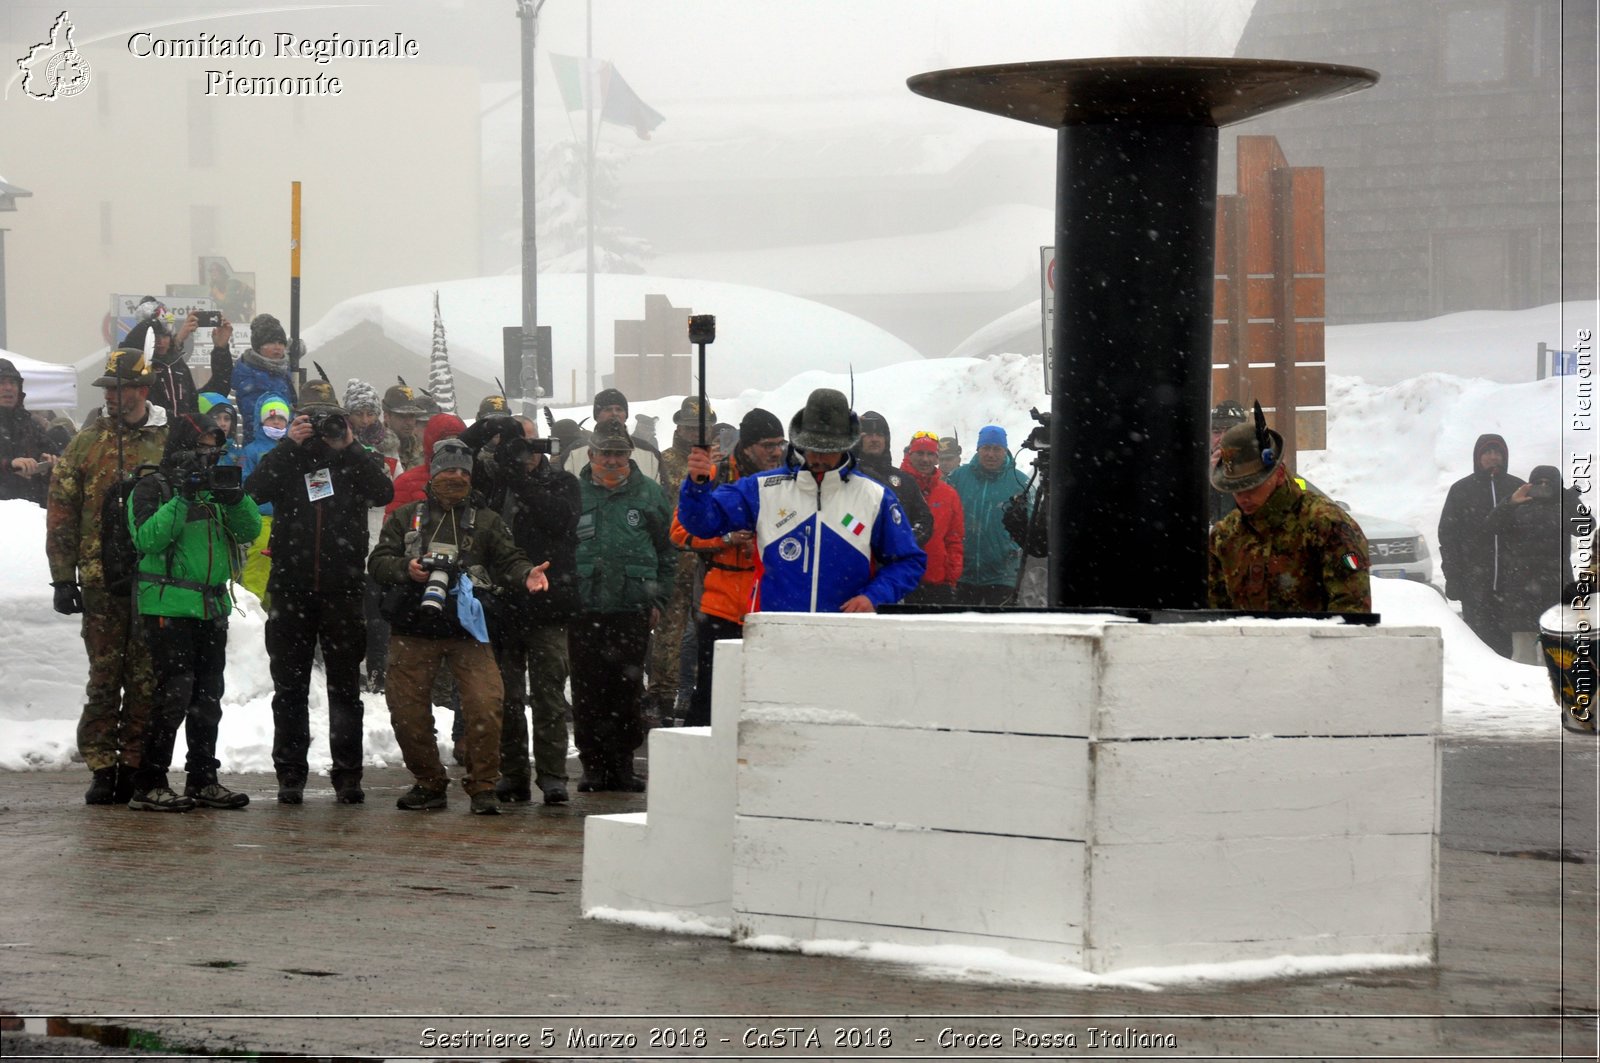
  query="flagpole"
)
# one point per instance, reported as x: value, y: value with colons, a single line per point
x: 588, y: 191
x: 530, y: 386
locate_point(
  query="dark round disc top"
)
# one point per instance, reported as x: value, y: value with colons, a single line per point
x: 1144, y: 88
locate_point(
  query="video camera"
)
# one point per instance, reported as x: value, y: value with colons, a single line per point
x: 1039, y: 439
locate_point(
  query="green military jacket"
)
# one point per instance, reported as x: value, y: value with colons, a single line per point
x: 88, y: 468
x: 626, y: 559
x: 1298, y: 553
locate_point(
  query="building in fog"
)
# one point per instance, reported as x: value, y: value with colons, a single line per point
x: 1466, y: 178
x: 141, y: 174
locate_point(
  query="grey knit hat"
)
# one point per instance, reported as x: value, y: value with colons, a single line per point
x: 450, y: 453
x: 360, y: 395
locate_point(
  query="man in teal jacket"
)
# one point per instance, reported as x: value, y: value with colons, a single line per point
x: 186, y: 529
x: 986, y: 484
x: 626, y: 567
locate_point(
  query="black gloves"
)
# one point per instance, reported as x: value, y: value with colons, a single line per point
x: 227, y: 496
x: 69, y: 599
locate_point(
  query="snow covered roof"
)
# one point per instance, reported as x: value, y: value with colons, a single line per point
x: 764, y: 337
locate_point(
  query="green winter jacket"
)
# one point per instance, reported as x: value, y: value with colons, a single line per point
x: 186, y: 549
x: 992, y: 556
x: 626, y: 560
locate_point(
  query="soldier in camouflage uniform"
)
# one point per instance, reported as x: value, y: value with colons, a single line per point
x: 131, y: 432
x: 1284, y: 549
x: 402, y: 441
x: 672, y: 643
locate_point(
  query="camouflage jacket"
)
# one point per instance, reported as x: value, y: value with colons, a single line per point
x: 87, y: 470
x: 1298, y: 553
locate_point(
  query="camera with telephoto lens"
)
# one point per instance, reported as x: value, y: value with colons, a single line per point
x: 330, y: 425
x: 440, y: 565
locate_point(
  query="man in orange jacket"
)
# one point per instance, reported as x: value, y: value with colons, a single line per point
x: 728, y: 564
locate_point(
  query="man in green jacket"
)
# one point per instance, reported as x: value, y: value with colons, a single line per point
x: 185, y: 528
x: 434, y: 559
x: 626, y: 567
x: 986, y: 484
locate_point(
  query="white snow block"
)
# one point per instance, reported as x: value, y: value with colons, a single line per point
x: 923, y: 673
x: 678, y: 856
x: 1268, y: 678
x: 880, y: 879
x: 939, y: 780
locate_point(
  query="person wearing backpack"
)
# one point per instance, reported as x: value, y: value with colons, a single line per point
x: 186, y: 530
x: 86, y: 514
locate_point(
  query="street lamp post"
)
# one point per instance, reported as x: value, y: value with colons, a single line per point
x: 531, y: 386
x: 9, y: 194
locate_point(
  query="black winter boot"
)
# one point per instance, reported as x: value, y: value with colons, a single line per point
x: 103, y: 790
x: 124, y: 783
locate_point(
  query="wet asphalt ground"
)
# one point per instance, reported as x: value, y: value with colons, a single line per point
x: 331, y: 931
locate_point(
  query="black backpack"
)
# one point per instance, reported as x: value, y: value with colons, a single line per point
x: 118, y: 558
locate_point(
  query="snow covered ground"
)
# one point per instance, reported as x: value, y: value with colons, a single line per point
x: 1395, y: 447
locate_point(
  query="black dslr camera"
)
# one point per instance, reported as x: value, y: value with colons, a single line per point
x: 330, y: 425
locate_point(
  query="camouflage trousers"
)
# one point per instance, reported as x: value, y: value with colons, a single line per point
x: 122, y: 683
x: 533, y: 671
x: 666, y: 641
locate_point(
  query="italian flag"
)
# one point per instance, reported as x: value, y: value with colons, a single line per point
x: 851, y: 525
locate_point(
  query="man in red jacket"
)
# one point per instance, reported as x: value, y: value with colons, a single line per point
x: 945, y: 547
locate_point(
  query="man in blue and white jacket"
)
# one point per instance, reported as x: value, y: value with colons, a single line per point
x: 829, y: 539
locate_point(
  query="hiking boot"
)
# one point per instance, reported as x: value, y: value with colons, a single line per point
x: 513, y: 791
x: 485, y: 803
x: 417, y: 799
x: 290, y: 795
x: 350, y: 794
x: 159, y: 799
x: 555, y: 793
x: 103, y: 789
x: 215, y: 795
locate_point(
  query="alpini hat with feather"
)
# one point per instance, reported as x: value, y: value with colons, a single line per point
x: 826, y: 424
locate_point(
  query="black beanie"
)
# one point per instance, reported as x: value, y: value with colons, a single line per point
x: 610, y: 397
x: 759, y: 424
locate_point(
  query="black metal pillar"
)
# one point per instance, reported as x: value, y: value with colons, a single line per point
x: 1130, y: 402
x: 1135, y: 233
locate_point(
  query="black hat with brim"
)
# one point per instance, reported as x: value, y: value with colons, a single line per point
x: 125, y: 368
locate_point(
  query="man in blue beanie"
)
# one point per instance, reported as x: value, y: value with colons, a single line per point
x: 986, y: 483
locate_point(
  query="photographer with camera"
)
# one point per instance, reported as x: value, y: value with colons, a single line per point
x: 1535, y: 527
x: 320, y: 483
x: 187, y: 520
x: 435, y: 558
x: 990, y: 485
x: 172, y: 386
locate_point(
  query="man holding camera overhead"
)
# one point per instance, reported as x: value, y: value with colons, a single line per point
x: 435, y: 560
x: 320, y: 483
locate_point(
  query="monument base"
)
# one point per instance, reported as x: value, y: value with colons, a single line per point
x: 1080, y: 790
